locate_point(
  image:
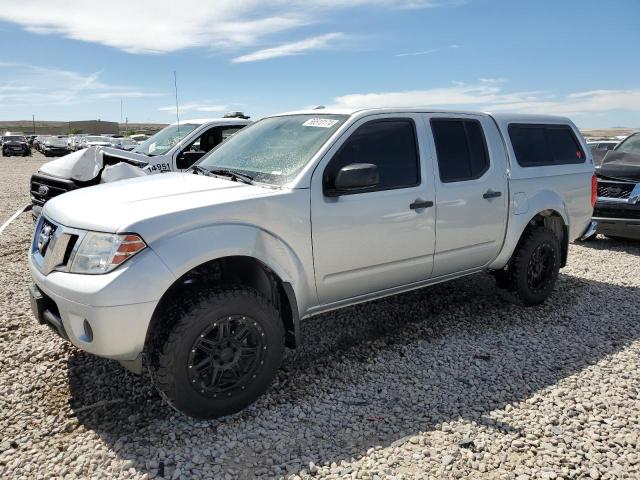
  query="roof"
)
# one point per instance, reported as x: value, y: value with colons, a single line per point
x: 501, y: 117
x: 222, y: 121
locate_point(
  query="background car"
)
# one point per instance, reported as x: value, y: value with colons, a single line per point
x: 55, y: 147
x: 15, y: 145
x: 124, y: 144
x: 602, y: 144
x: 95, y: 141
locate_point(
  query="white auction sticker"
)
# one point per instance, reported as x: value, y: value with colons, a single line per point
x: 320, y: 122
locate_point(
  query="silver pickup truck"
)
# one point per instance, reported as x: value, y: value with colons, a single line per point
x: 204, y: 277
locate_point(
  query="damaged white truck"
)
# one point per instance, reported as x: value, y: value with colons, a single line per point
x: 205, y: 277
x: 174, y: 148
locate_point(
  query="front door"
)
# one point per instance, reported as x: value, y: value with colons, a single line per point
x: 372, y: 240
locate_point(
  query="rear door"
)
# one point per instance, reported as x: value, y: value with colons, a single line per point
x: 369, y: 241
x: 471, y: 191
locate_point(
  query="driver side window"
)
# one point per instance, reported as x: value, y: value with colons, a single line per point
x: 390, y: 145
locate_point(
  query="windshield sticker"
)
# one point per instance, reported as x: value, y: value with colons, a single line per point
x: 320, y: 122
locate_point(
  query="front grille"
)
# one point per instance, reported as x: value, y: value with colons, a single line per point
x: 615, y: 189
x: 53, y: 245
x: 44, y: 188
x: 620, y: 211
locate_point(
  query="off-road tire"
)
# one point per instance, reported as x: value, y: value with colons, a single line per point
x: 521, y: 280
x: 190, y: 319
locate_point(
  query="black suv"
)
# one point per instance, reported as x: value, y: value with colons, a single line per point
x: 15, y: 145
x: 617, y: 209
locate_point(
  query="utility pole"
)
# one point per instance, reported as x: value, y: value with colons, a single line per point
x: 175, y: 84
x: 120, y: 126
x: 33, y: 122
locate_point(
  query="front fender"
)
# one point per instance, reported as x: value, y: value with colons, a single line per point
x: 522, y: 210
x: 187, y: 250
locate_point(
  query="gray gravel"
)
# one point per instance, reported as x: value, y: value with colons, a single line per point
x: 447, y: 382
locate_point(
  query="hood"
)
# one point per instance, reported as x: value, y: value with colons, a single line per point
x: 135, y: 204
x: 622, y: 166
x: 14, y: 142
x: 85, y: 165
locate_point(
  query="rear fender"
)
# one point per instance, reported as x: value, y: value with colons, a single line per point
x: 545, y: 201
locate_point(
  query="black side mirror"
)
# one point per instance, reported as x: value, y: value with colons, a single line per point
x: 354, y: 178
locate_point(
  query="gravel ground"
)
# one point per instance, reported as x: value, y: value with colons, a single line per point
x: 447, y: 382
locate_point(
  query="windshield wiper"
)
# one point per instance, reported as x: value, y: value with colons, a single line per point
x: 198, y: 169
x: 235, y: 176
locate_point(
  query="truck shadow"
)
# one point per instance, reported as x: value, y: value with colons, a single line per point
x: 371, y: 375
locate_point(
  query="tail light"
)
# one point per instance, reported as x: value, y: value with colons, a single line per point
x: 594, y: 190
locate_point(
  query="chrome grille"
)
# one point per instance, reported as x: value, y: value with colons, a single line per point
x: 53, y: 246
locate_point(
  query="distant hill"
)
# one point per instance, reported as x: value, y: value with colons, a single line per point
x: 607, y: 132
x: 53, y: 127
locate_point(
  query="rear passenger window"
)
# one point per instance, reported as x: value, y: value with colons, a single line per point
x: 391, y: 145
x: 461, y: 148
x: 537, y: 145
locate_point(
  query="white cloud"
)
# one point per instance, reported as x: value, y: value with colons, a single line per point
x: 196, y: 107
x: 427, y: 52
x: 24, y: 85
x: 321, y: 42
x: 160, y: 26
x: 490, y: 95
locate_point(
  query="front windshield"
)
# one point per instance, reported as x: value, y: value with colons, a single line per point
x: 630, y: 145
x: 58, y: 142
x: 14, y: 138
x: 98, y: 139
x: 275, y: 149
x: 165, y: 139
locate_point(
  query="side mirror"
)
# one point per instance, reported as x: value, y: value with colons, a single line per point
x: 355, y: 177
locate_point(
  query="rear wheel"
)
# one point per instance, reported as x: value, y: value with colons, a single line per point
x: 221, y: 353
x: 534, y: 267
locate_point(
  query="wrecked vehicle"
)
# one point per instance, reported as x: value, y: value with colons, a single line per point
x: 617, y: 210
x: 204, y: 277
x: 172, y: 149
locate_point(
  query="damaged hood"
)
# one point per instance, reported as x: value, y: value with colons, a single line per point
x: 85, y: 165
x: 621, y: 166
x: 140, y: 204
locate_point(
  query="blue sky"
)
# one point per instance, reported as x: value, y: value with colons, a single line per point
x: 65, y: 60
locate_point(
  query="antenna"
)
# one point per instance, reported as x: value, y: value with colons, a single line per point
x: 175, y: 84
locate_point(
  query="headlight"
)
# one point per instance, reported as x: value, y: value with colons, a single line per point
x: 102, y: 252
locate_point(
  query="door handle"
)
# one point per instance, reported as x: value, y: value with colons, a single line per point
x: 417, y: 204
x: 491, y: 194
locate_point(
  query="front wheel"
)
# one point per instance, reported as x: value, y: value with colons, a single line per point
x: 534, y: 267
x: 221, y: 353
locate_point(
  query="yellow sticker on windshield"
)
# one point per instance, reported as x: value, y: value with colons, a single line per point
x: 320, y: 122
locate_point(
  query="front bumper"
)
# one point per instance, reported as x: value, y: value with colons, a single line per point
x: 117, y: 306
x: 618, y: 219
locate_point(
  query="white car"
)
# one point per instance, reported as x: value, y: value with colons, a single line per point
x: 95, y: 141
x: 205, y: 278
x: 174, y: 148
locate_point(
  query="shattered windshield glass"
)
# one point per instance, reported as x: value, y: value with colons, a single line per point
x: 275, y: 149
